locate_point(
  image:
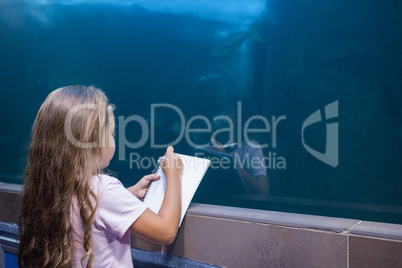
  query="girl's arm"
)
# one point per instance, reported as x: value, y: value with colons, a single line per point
x: 257, y: 185
x: 162, y: 228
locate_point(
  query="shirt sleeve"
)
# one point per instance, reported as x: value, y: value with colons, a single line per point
x: 117, y: 208
x: 255, y: 152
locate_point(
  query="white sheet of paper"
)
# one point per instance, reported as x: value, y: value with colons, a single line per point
x: 194, y: 169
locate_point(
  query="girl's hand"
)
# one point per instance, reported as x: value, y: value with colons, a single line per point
x: 140, y: 189
x: 172, y: 165
x: 162, y: 228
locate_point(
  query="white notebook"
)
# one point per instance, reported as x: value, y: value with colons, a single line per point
x: 194, y: 169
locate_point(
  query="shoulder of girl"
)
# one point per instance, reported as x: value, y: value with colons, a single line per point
x: 106, y: 179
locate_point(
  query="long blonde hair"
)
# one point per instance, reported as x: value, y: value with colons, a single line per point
x: 57, y: 171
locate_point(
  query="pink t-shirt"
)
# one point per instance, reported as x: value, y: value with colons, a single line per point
x: 116, y: 212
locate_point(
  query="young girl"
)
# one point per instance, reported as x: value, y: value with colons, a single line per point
x: 73, y: 215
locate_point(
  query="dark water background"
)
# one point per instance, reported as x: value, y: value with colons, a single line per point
x: 278, y: 57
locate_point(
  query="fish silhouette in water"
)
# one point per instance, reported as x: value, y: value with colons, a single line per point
x: 235, y: 40
x: 216, y: 79
x: 215, y: 76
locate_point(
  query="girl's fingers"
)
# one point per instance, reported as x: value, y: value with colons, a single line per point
x: 151, y: 177
x: 169, y: 157
x: 169, y: 152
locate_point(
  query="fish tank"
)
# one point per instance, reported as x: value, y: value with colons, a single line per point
x: 304, y: 96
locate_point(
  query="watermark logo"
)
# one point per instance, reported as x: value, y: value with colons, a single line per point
x: 236, y: 132
x: 330, y: 156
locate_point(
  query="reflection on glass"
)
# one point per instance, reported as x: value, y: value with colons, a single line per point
x: 288, y: 64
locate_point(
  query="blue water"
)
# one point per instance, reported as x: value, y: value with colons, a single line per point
x: 279, y: 58
x: 10, y: 260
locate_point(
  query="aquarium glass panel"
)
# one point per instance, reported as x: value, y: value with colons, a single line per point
x: 296, y: 103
